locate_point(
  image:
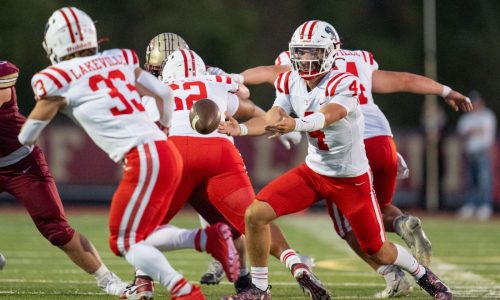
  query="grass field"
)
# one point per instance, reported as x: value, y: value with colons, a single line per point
x: 466, y: 256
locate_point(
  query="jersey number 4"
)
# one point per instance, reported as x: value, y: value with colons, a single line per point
x: 197, y: 90
x: 351, y: 68
x: 318, y: 134
x: 115, y: 92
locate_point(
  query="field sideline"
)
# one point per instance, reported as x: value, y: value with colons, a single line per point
x: 466, y: 256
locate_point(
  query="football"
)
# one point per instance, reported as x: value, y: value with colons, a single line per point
x: 204, y: 116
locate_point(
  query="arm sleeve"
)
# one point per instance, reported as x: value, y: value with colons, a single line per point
x: 157, y: 87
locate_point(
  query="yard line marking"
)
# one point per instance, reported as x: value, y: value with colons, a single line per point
x: 464, y: 284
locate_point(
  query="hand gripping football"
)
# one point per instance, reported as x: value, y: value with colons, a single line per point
x: 204, y: 116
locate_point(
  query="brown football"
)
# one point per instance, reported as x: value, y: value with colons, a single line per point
x: 204, y: 116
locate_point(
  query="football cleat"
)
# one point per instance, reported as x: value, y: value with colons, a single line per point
x: 309, y: 283
x: 220, y: 245
x: 195, y: 294
x: 308, y: 260
x: 253, y: 293
x: 141, y: 289
x: 243, y: 283
x: 397, y: 285
x: 112, y: 285
x: 434, y: 286
x: 214, y: 273
x: 410, y: 230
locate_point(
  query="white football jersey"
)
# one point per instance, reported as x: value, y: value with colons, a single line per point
x: 362, y: 64
x: 337, y: 150
x: 220, y: 89
x: 102, y: 98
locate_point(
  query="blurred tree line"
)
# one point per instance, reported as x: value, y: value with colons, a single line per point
x: 235, y: 35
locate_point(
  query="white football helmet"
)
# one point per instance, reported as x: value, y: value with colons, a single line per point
x: 68, y: 30
x: 160, y: 48
x: 182, y: 64
x: 313, y: 48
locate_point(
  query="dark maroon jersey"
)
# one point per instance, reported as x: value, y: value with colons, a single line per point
x: 11, y: 121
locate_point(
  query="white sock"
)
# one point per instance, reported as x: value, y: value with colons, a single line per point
x: 289, y: 257
x: 407, y: 262
x: 140, y: 273
x: 102, y: 273
x: 259, y: 277
x: 169, y: 237
x: 152, y: 262
x: 179, y: 286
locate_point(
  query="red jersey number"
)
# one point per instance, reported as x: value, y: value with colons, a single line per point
x: 351, y: 68
x: 115, y: 93
x: 197, y: 89
x: 318, y: 134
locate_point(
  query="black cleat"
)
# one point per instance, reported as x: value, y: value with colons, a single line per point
x: 434, y: 286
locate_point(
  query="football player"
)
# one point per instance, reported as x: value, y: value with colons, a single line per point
x: 157, y: 53
x: 327, y: 102
x: 24, y: 173
x: 101, y: 92
x: 385, y: 163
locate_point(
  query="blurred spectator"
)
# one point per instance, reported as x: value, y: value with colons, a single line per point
x: 477, y: 129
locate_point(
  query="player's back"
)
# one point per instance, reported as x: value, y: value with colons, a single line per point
x: 219, y: 89
x: 362, y: 64
x: 102, y: 98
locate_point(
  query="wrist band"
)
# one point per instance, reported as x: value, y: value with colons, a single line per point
x: 243, y: 129
x: 446, y: 91
x: 312, y: 122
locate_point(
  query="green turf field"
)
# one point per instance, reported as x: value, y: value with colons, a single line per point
x: 466, y: 256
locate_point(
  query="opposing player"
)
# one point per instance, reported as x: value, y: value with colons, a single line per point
x: 100, y: 91
x: 327, y: 104
x: 25, y: 174
x: 380, y: 148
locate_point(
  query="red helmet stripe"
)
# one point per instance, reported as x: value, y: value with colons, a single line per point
x: 309, y: 36
x: 303, y: 29
x: 62, y: 73
x: 192, y: 62
x: 77, y: 23
x: 185, y: 63
x: 69, y: 25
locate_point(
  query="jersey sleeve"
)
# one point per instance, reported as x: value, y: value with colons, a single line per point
x: 233, y: 103
x: 283, y: 59
x: 49, y: 83
x: 215, y: 71
x: 343, y: 89
x: 231, y: 85
x: 130, y: 58
x: 369, y: 60
x: 282, y: 85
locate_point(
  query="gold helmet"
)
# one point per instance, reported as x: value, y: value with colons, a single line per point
x: 160, y: 48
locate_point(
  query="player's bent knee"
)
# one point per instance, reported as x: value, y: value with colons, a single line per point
x: 372, y: 248
x: 113, y: 245
x: 259, y: 213
x: 57, y: 232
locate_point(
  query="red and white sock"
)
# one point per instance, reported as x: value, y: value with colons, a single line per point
x: 407, y: 262
x: 259, y: 277
x: 289, y: 257
x: 179, y: 287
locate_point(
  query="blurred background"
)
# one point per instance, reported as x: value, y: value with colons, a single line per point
x: 235, y: 35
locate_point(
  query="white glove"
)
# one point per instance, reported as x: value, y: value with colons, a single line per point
x: 403, y: 171
x: 293, y: 137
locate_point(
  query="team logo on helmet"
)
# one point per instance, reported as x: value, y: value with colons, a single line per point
x: 332, y: 34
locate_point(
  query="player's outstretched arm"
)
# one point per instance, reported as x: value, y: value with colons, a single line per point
x: 329, y: 114
x: 44, y: 111
x: 254, y: 126
x: 385, y: 82
x: 263, y: 74
x: 148, y: 85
